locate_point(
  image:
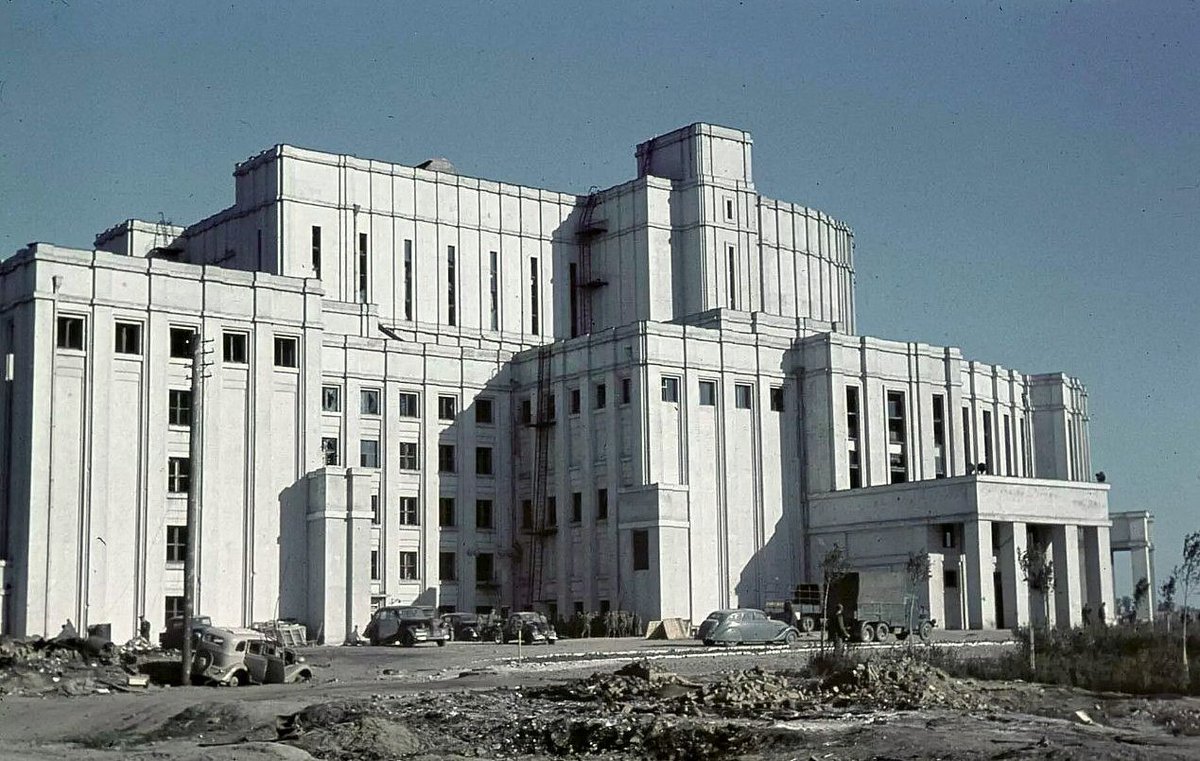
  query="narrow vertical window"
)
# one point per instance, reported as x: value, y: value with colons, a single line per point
x: 408, y: 279
x: 1024, y: 450
x: 852, y: 428
x: 967, y: 440
x: 1008, y: 446
x: 573, y: 288
x: 731, y: 255
x: 897, y: 437
x: 939, y: 436
x: 316, y: 251
x: 451, y: 296
x: 363, y: 260
x: 987, y: 442
x: 533, y: 295
x: 494, y: 288
x: 258, y: 247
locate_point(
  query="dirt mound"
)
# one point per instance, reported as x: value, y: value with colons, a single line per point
x: 348, y: 730
x: 217, y: 722
x: 898, y: 682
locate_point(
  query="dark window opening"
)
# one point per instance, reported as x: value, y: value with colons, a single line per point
x: 451, y: 295
x: 285, y: 352
x: 179, y: 407
x: 408, y: 279
x: 181, y: 343
x: 576, y: 507
x: 483, y: 412
x: 409, y: 516
x: 446, y: 460
x: 368, y: 453
x: 446, y: 512
x: 363, y: 267
x: 408, y: 405
x: 743, y: 396
x: 641, y: 549
x: 177, y: 539
x: 447, y: 566
x: 447, y: 407
x: 128, y: 338
x: 670, y: 389
x: 234, y: 348
x: 533, y: 296
x: 602, y: 504
x: 483, y: 461
x: 70, y: 333
x: 409, y: 459
x: 776, y: 399
x: 408, y: 566
x: 897, y: 437
x: 484, y: 517
x: 331, y: 399
x: 316, y: 252
x: 329, y: 450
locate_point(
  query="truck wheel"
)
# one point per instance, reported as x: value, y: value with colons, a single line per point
x: 883, y: 632
x: 866, y: 633
x: 807, y: 624
x: 926, y: 631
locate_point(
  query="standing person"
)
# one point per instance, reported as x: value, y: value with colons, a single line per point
x: 1087, y: 615
x: 838, y: 632
x: 143, y: 628
x: 1103, y: 615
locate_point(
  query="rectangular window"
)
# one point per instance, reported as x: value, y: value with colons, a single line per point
x: 331, y: 399
x: 368, y: 453
x: 948, y: 532
x: 602, y: 504
x: 329, y: 450
x: 601, y: 397
x: 409, y: 406
x: 258, y: 248
x: 729, y: 208
x: 1024, y: 450
x: 376, y: 513
x: 731, y: 256
x: 408, y: 512
x: 484, y: 414
x: 483, y: 514
x: 446, y: 462
x: 485, y: 569
x: 776, y: 399
x: 408, y: 566
x: 966, y: 420
x: 408, y: 279
x: 575, y: 401
x: 451, y: 296
x: 179, y: 475
x: 174, y: 606
x: 446, y: 513
x: 179, y: 407
x: 129, y: 338
x: 670, y: 389
x: 181, y: 343
x: 447, y: 407
x: 176, y: 543
x: 409, y: 459
x: 533, y: 296
x: 1008, y: 447
x: 855, y: 469
x: 576, y: 507
x: 897, y: 437
x: 626, y: 390
x: 641, y: 549
x: 447, y: 566
x: 939, y: 435
x: 234, y: 348
x: 551, y: 511
x: 316, y: 252
x: 374, y: 565
x: 950, y: 579
x: 368, y: 401
x: 708, y: 393
x: 285, y: 352
x: 743, y: 396
x: 573, y: 291
x: 526, y: 513
x: 483, y: 461
x: 987, y: 442
x: 526, y: 411
x: 70, y: 333
x: 363, y: 267
x: 852, y: 437
x: 494, y: 289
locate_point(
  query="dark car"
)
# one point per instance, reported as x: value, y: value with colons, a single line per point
x: 528, y: 627
x: 172, y: 638
x: 407, y: 625
x: 463, y: 627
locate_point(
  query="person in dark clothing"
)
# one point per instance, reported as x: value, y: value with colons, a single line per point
x: 1087, y: 614
x: 838, y: 632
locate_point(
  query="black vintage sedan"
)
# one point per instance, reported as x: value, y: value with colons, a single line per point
x: 408, y: 625
x: 743, y: 626
x: 463, y: 627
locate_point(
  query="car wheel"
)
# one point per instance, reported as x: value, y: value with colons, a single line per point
x: 791, y: 637
x: 708, y: 643
x: 408, y: 640
x: 925, y: 632
x: 202, y: 661
x: 441, y: 643
x: 498, y: 638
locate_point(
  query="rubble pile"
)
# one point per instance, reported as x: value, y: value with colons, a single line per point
x: 899, y: 682
x: 68, y: 665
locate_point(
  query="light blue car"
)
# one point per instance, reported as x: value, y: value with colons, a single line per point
x: 742, y: 626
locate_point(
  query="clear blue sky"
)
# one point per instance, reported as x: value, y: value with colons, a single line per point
x: 1023, y: 177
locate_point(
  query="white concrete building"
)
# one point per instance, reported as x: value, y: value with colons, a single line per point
x: 423, y: 385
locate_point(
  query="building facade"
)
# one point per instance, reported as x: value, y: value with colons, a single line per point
x: 419, y: 386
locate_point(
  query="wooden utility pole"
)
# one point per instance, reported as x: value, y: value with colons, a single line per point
x: 193, y: 507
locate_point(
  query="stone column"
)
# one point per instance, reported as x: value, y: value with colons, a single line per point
x: 360, y: 486
x: 1014, y: 589
x: 1143, y: 568
x: 1068, y: 610
x: 339, y: 552
x: 981, y: 591
x: 1098, y: 562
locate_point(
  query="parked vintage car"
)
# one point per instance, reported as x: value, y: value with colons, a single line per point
x: 406, y: 624
x: 244, y: 656
x: 527, y: 627
x: 463, y: 627
x: 172, y: 638
x: 742, y: 626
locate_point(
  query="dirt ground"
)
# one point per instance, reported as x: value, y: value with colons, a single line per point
x: 603, y: 699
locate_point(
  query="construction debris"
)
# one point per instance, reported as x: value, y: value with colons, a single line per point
x: 70, y: 665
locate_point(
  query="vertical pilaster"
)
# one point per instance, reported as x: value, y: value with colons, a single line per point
x: 1014, y: 590
x: 1098, y: 564
x: 977, y: 556
x: 1068, y: 610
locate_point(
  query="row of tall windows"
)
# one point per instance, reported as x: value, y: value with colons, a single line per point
x: 71, y: 332
x: 576, y: 509
x: 408, y: 406
x: 743, y: 394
